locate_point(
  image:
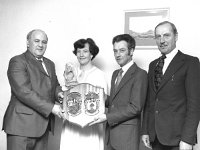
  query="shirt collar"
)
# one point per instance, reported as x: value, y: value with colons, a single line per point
x: 169, y: 58
x: 39, y: 58
x: 126, y: 67
x: 171, y: 55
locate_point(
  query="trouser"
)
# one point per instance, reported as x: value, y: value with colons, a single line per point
x: 156, y: 145
x: 15, y: 142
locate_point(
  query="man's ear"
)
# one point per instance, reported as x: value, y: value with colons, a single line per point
x: 27, y: 43
x: 131, y: 51
x: 176, y: 37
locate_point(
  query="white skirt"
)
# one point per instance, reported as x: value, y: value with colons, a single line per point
x: 78, y: 138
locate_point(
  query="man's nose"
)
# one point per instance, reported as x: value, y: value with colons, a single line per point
x: 117, y: 53
x: 162, y: 39
x: 40, y: 44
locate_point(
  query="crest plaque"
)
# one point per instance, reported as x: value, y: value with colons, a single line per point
x: 82, y: 103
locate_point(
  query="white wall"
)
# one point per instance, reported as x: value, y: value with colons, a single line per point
x: 66, y: 21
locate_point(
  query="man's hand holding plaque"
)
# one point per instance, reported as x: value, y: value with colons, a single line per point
x: 98, y: 119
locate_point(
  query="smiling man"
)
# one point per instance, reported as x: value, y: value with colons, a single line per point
x: 171, y: 113
x: 34, y: 89
x: 127, y: 97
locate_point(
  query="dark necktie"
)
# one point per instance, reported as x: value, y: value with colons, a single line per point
x: 158, y: 71
x: 43, y: 65
x: 118, y: 79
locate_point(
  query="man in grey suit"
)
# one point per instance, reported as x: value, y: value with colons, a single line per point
x: 172, y: 111
x: 126, y: 100
x: 34, y: 89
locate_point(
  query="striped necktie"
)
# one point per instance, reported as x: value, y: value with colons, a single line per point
x: 118, y: 79
x: 43, y: 65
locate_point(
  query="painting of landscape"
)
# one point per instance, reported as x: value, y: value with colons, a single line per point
x: 141, y: 23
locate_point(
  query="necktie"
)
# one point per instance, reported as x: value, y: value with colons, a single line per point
x: 118, y: 79
x: 158, y: 71
x: 43, y: 65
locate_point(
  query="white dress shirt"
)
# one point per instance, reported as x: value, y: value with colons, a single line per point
x: 126, y: 67
x: 169, y: 58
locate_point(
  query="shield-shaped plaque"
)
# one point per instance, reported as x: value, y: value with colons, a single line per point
x: 82, y: 103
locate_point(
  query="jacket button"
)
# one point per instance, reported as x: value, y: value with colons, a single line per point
x: 156, y: 111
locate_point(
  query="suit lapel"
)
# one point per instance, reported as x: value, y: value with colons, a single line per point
x: 127, y: 76
x: 175, y: 64
x: 30, y: 58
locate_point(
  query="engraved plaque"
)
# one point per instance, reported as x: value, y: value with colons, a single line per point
x: 82, y: 103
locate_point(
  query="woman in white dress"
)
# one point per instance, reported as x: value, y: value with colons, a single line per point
x: 90, y: 137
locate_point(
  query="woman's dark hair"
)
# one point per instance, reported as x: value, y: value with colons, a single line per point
x: 93, y: 48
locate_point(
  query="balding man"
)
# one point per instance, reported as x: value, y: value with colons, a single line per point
x: 34, y: 89
x: 171, y: 113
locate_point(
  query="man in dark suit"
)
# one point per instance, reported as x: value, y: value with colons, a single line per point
x: 171, y: 114
x: 126, y: 99
x: 34, y: 88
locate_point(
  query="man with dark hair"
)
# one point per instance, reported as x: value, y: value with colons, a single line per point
x: 171, y: 113
x: 126, y: 100
x: 34, y: 89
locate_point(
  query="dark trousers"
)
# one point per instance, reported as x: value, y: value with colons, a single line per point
x: 15, y: 142
x: 156, y: 145
x: 109, y: 147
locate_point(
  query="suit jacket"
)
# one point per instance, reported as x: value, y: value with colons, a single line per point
x: 124, y: 109
x: 33, y: 95
x: 172, y: 111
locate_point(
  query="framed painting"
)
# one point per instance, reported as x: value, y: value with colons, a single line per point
x: 141, y: 23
